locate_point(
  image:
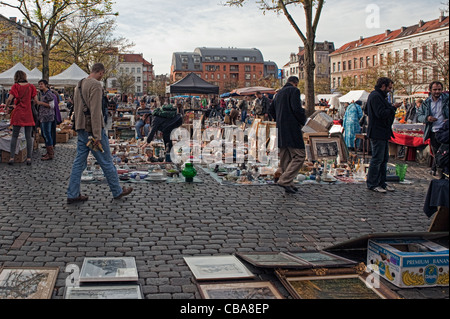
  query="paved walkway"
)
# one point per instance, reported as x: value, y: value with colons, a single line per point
x: 159, y: 224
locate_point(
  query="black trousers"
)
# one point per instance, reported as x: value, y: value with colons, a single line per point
x: 434, y: 147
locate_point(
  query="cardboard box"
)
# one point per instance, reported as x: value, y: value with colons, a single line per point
x: 409, y: 263
x: 323, y: 119
x: 312, y: 126
x: 62, y: 137
x: 19, y: 158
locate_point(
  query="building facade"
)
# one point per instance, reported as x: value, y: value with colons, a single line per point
x: 228, y: 68
x: 137, y: 69
x: 295, y: 66
x: 18, y: 43
x: 412, y: 56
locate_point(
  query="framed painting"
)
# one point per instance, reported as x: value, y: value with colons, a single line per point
x: 273, y: 260
x: 240, y: 290
x: 117, y: 292
x: 338, y: 283
x: 27, y: 282
x: 325, y: 147
x: 217, y: 267
x: 322, y: 259
x: 108, y: 269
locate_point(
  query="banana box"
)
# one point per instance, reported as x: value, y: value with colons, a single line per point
x: 409, y: 263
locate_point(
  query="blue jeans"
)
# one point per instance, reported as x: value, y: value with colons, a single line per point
x: 139, y: 125
x: 104, y: 160
x: 46, y: 128
x: 378, y: 165
x: 243, y: 115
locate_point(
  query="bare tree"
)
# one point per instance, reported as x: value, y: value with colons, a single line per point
x: 46, y: 16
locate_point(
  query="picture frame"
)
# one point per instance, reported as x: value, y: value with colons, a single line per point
x: 320, y: 258
x: 338, y: 283
x: 108, y: 269
x: 325, y: 147
x: 116, y: 292
x: 218, y: 268
x: 27, y: 282
x: 239, y: 290
x: 273, y: 260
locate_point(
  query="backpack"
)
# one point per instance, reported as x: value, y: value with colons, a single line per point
x: 441, y: 156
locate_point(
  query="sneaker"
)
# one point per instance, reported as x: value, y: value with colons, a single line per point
x: 79, y: 199
x: 389, y: 188
x: 378, y: 189
x: 125, y: 192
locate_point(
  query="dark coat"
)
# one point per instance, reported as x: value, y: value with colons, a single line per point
x: 381, y: 116
x: 290, y: 116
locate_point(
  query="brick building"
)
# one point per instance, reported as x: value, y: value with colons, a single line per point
x: 412, y: 56
x: 228, y: 68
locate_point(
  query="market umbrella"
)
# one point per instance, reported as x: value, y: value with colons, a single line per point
x: 7, y: 77
x: 69, y: 77
x: 253, y: 90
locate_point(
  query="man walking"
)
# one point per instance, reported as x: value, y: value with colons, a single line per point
x: 381, y: 115
x: 89, y: 123
x: 290, y: 116
x: 433, y: 113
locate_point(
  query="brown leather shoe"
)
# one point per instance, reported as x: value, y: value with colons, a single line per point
x: 125, y: 192
x: 79, y: 199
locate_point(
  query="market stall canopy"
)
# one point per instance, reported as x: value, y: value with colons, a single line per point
x: 192, y: 84
x: 69, y: 77
x: 35, y: 76
x: 332, y: 99
x: 7, y: 77
x: 351, y: 96
x: 253, y: 90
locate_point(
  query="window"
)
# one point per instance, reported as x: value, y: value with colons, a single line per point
x: 217, y: 58
x: 355, y: 63
x: 138, y: 79
x: 246, y: 59
x: 446, y: 48
x: 218, y: 76
x: 138, y: 70
x: 196, y: 59
x: 381, y: 59
x: 234, y: 58
x: 435, y: 50
x: 367, y: 61
x: 424, y: 53
x: 374, y: 60
x: 224, y: 68
x: 334, y: 67
x: 397, y: 56
x: 424, y: 75
x: 212, y: 76
x: 247, y: 76
x: 248, y: 68
x: 405, y: 55
x: 349, y: 64
x: 339, y: 66
x: 339, y: 81
x: 344, y: 66
x: 361, y: 63
x: 207, y: 58
x: 133, y: 70
x: 414, y: 55
x: 334, y: 83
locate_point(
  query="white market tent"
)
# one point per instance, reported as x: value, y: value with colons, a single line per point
x: 69, y: 77
x: 333, y: 99
x: 7, y: 77
x: 351, y: 96
x: 35, y: 76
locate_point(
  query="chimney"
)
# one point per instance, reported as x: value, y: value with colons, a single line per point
x: 361, y: 38
x: 387, y: 32
x: 421, y: 23
x: 441, y: 17
x: 13, y: 19
x: 403, y: 29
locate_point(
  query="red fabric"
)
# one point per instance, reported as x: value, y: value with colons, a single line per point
x: 23, y: 115
x: 407, y: 140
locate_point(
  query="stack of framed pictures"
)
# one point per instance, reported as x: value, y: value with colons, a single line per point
x: 107, y: 278
x: 320, y: 275
x: 297, y: 260
x: 220, y: 271
x: 27, y: 282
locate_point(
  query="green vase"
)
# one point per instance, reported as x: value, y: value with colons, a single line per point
x: 189, y: 172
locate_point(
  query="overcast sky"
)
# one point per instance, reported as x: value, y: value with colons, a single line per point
x: 160, y: 27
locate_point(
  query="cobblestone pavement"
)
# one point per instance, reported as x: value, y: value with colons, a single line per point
x: 159, y: 224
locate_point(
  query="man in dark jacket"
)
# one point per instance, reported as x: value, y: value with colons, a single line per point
x: 165, y: 120
x: 381, y: 115
x: 290, y: 116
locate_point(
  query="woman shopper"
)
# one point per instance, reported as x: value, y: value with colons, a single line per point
x: 22, y: 114
x: 47, y: 117
x: 351, y: 123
